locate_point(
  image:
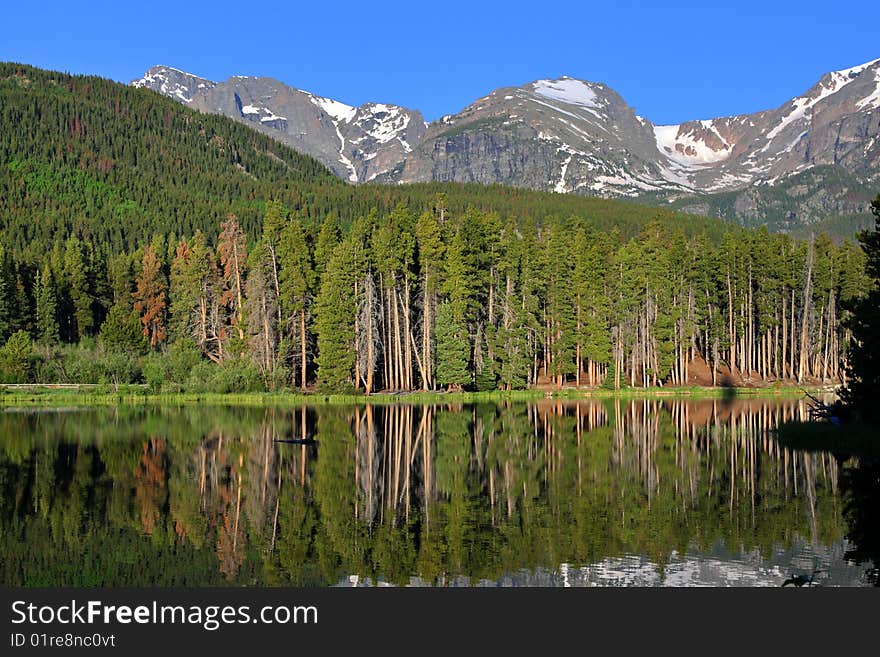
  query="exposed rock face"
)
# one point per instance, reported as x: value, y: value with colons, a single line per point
x: 357, y: 143
x: 836, y: 122
x: 816, y: 155
x: 563, y: 135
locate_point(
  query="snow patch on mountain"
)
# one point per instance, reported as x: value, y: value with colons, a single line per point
x: 801, y: 108
x: 271, y: 116
x: 677, y: 174
x: 625, y: 184
x: 728, y: 180
x: 384, y: 122
x: 871, y: 101
x: 560, y: 185
x: 264, y: 114
x: 798, y: 111
x: 336, y: 110
x: 579, y: 117
x: 687, y: 149
x: 567, y: 90
x: 856, y: 70
x: 352, y: 176
x: 159, y: 79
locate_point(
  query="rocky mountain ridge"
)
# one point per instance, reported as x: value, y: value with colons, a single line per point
x: 356, y: 143
x: 573, y: 136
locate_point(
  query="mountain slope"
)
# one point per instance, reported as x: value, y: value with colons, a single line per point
x: 84, y: 154
x: 834, y: 123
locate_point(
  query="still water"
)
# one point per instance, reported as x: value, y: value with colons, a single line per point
x: 619, y: 492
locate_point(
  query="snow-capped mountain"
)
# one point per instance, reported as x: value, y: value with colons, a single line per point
x: 357, y: 143
x: 821, y: 149
x: 835, y: 122
x: 562, y: 135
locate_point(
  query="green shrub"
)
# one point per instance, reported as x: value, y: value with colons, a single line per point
x: 171, y: 370
x: 278, y: 378
x: 200, y: 377
x: 237, y: 375
x: 17, y: 358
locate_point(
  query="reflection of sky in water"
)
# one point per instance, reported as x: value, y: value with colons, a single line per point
x: 719, y: 568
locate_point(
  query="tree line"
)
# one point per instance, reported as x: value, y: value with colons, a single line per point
x: 406, y: 300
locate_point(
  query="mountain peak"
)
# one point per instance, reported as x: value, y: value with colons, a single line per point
x: 567, y: 90
x: 356, y: 143
x: 854, y: 71
x: 173, y: 82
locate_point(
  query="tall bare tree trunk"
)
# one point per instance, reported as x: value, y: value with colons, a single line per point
x: 731, y: 330
x: 240, y: 318
x: 302, y: 346
x: 407, y: 332
x: 426, y: 334
x: 805, y: 323
x: 398, y: 360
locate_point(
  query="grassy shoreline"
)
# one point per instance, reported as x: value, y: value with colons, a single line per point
x: 48, y: 396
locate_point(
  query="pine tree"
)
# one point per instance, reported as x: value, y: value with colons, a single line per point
x: 183, y: 292
x: 76, y: 276
x: 297, y: 280
x: 15, y: 357
x: 334, y: 322
x: 392, y: 250
x: 261, y: 304
x: 863, y: 389
x: 429, y: 239
x: 119, y: 277
x: 453, y: 349
x: 273, y: 222
x: 328, y: 238
x: 194, y: 304
x: 6, y: 303
x: 232, y: 249
x: 510, y: 339
x: 122, y: 332
x: 560, y: 321
x: 47, y: 307
x: 149, y: 297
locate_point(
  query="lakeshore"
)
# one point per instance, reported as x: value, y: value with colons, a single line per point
x: 54, y: 395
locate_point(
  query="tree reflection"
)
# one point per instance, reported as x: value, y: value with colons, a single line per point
x: 207, y: 496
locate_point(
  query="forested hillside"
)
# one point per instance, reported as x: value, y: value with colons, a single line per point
x: 86, y: 156
x: 142, y: 241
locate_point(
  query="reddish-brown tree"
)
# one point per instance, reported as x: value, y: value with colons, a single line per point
x: 149, y: 298
x: 231, y: 247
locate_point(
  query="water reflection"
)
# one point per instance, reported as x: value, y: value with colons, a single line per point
x: 620, y: 492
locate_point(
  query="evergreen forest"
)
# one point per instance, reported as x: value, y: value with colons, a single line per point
x: 142, y: 242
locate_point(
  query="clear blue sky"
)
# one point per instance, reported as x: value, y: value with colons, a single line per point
x: 672, y: 61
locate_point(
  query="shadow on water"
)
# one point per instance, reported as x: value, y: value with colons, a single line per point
x: 861, y: 487
x: 802, y: 580
x: 856, y: 449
